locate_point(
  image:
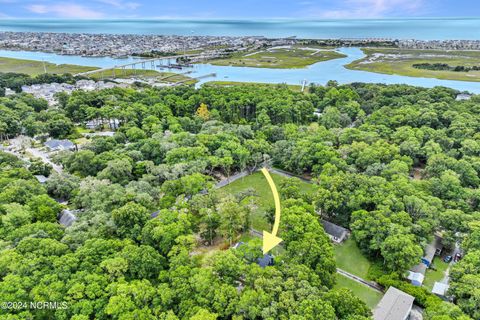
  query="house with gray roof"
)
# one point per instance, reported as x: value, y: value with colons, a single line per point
x: 395, y: 305
x: 59, y: 145
x: 336, y: 233
x: 68, y: 217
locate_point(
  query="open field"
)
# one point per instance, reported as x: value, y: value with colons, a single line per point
x: 264, y: 198
x: 368, y: 295
x: 349, y: 258
x: 33, y: 68
x: 281, y: 58
x: 400, y: 62
x: 432, y: 276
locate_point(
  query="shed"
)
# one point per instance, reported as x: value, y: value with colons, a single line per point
x: 440, y: 289
x: 395, y: 305
x: 337, y: 233
x: 41, y: 178
x: 416, y: 278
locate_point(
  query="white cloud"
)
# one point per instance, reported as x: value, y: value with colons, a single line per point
x: 38, y: 8
x: 66, y: 10
x: 121, y: 4
x: 366, y: 9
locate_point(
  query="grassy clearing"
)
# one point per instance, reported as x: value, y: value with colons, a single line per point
x: 432, y: 276
x: 368, y: 295
x: 264, y: 199
x: 33, y: 68
x: 349, y: 258
x: 282, y: 58
x: 400, y: 62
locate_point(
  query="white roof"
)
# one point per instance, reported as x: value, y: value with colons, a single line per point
x: 415, y: 276
x: 440, y: 288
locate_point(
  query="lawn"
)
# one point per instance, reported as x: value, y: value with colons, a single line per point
x: 263, y: 199
x: 33, y: 68
x: 368, y: 295
x: 349, y: 258
x: 432, y: 276
x: 281, y: 58
x: 401, y: 61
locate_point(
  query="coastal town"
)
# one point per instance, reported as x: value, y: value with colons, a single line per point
x: 122, y: 45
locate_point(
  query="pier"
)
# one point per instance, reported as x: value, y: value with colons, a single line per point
x: 133, y: 65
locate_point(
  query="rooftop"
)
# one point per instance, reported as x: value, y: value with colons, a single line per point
x: 395, y: 305
x: 333, y: 229
x: 440, y: 288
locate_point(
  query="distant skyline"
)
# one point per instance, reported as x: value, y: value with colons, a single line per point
x: 244, y: 9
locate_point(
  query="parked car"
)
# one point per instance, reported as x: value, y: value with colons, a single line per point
x: 447, y: 259
x: 457, y: 257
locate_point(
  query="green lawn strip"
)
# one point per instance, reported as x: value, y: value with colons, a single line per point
x: 349, y: 258
x: 279, y: 58
x: 264, y: 198
x: 366, y: 294
x: 33, y: 68
x: 401, y: 62
x: 432, y: 276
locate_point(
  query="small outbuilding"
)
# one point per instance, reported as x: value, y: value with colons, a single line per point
x: 395, y: 305
x: 440, y: 289
x: 336, y: 233
x: 41, y: 178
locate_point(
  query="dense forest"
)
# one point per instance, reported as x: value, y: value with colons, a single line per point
x: 445, y: 67
x: 395, y: 164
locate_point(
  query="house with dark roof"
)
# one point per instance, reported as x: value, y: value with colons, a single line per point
x: 395, y: 305
x: 265, y: 261
x: 59, y: 145
x: 336, y: 233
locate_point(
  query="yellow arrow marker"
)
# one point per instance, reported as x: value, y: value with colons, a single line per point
x: 270, y: 240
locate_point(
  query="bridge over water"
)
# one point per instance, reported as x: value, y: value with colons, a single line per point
x: 133, y: 65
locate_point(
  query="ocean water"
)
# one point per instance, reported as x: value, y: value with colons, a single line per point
x: 423, y: 29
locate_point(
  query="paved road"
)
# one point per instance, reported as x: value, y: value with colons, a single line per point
x: 45, y: 158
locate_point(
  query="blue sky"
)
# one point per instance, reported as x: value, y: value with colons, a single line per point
x: 240, y: 9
